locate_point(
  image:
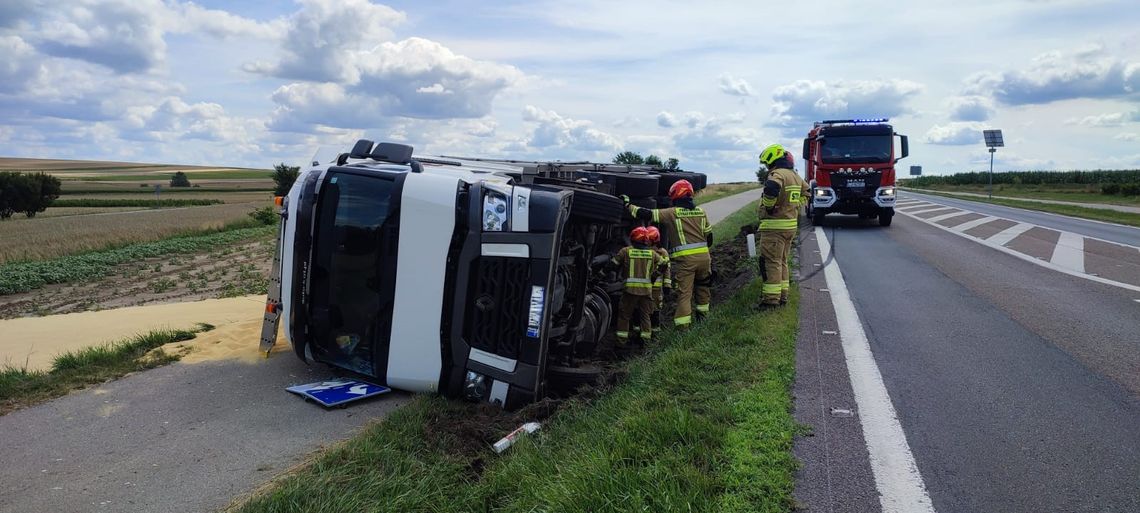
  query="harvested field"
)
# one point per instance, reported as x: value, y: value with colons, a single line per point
x: 235, y: 196
x: 49, y: 237
x: 230, y: 271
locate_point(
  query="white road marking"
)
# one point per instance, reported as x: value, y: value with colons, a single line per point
x: 960, y: 229
x: 1070, y: 252
x: 900, y: 485
x: 972, y: 224
x: 937, y: 218
x: 1005, y: 236
x: 930, y: 208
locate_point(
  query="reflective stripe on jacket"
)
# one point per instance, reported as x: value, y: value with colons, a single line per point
x: 784, y: 193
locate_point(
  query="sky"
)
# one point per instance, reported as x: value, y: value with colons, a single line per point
x: 252, y: 83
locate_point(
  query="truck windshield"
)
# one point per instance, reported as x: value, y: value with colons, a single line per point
x: 352, y: 288
x: 856, y: 149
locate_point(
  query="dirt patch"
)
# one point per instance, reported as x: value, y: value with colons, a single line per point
x: 231, y: 271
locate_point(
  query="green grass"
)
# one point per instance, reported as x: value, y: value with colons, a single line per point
x: 701, y: 423
x: 20, y: 387
x: 1097, y: 214
x: 728, y: 227
x: 722, y: 190
x: 145, y: 203
x: 165, y: 177
x: 25, y: 276
x: 1076, y: 193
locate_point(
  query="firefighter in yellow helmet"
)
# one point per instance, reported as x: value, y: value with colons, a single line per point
x: 688, y: 227
x: 779, y: 215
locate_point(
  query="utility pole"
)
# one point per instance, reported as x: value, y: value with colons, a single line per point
x: 993, y: 142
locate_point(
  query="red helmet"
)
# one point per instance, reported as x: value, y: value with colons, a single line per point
x: 640, y: 235
x: 680, y: 189
x: 654, y: 234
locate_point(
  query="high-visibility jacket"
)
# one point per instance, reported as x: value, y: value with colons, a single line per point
x: 687, y: 228
x: 663, y: 278
x: 638, y: 267
x: 784, y: 193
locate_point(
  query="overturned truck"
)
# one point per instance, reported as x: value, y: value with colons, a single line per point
x: 476, y: 278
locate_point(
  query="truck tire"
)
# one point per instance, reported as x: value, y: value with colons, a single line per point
x: 597, y: 207
x: 566, y: 380
x: 885, y: 219
x: 817, y: 218
x: 666, y: 180
x: 634, y: 186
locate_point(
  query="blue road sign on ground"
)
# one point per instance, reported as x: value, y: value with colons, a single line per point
x: 334, y: 393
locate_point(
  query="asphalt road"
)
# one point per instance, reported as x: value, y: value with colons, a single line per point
x: 181, y: 438
x: 1017, y: 387
x: 1108, y: 231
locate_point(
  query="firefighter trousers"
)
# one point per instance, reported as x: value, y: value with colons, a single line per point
x: 775, y: 248
x: 692, y: 274
x: 643, y: 304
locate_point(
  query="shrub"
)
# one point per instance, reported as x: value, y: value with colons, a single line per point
x: 265, y: 215
x: 283, y: 177
x: 1110, y: 188
x: 180, y: 180
x: 1130, y: 189
x: 29, y: 193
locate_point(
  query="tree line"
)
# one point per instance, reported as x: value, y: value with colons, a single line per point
x: 27, y: 193
x: 1097, y: 177
x: 632, y: 157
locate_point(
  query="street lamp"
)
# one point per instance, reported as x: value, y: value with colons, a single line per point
x: 993, y: 142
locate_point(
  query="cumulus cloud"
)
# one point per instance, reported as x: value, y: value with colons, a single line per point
x: 956, y: 134
x: 328, y: 40
x: 174, y: 119
x: 1087, y: 73
x: 971, y: 108
x: 1127, y: 136
x: 715, y: 133
x: 414, y: 78
x: 797, y: 104
x: 1104, y: 120
x: 666, y: 120
x: 556, y: 131
x: 19, y: 65
x: 733, y: 86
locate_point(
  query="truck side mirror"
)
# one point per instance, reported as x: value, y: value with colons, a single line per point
x: 905, y: 148
x: 807, y: 150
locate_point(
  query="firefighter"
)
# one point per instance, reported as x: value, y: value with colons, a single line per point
x: 637, y: 263
x: 687, y: 226
x: 662, y: 281
x: 779, y: 216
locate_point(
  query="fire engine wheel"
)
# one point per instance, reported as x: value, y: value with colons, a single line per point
x: 817, y: 218
x: 566, y: 380
x: 885, y: 220
x: 595, y: 206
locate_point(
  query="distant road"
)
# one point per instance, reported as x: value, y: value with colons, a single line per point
x: 1102, y: 206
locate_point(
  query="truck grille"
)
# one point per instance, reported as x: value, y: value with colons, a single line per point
x: 846, y: 189
x: 499, y: 305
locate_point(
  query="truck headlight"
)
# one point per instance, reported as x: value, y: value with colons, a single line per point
x: 822, y: 193
x: 495, y: 211
x: 887, y: 191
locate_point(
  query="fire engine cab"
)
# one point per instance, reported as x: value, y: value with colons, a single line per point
x: 851, y: 168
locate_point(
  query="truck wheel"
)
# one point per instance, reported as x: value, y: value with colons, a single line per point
x: 817, y: 218
x: 885, y: 219
x: 666, y: 180
x: 595, y: 206
x: 566, y: 380
x: 634, y: 186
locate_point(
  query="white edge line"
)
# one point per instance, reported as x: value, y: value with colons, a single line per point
x: 900, y: 485
x: 1042, y: 263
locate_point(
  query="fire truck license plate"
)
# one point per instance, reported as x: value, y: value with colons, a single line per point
x: 856, y: 184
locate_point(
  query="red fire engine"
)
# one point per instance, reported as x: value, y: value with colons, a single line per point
x: 851, y: 168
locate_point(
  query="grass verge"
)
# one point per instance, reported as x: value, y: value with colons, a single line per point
x: 1096, y: 214
x: 20, y: 387
x: 1078, y: 193
x: 701, y: 422
x: 25, y: 276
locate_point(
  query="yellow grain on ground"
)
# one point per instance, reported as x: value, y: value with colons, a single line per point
x: 49, y: 237
x: 35, y: 341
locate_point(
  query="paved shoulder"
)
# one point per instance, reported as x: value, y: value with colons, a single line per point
x: 724, y: 207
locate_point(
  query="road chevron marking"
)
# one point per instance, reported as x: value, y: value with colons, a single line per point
x: 1007, y: 235
x: 1070, y: 252
x: 900, y: 485
x: 943, y: 217
x: 960, y: 231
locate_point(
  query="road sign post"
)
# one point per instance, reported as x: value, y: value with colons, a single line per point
x: 993, y: 142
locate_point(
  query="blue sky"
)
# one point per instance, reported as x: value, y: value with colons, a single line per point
x: 253, y: 83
